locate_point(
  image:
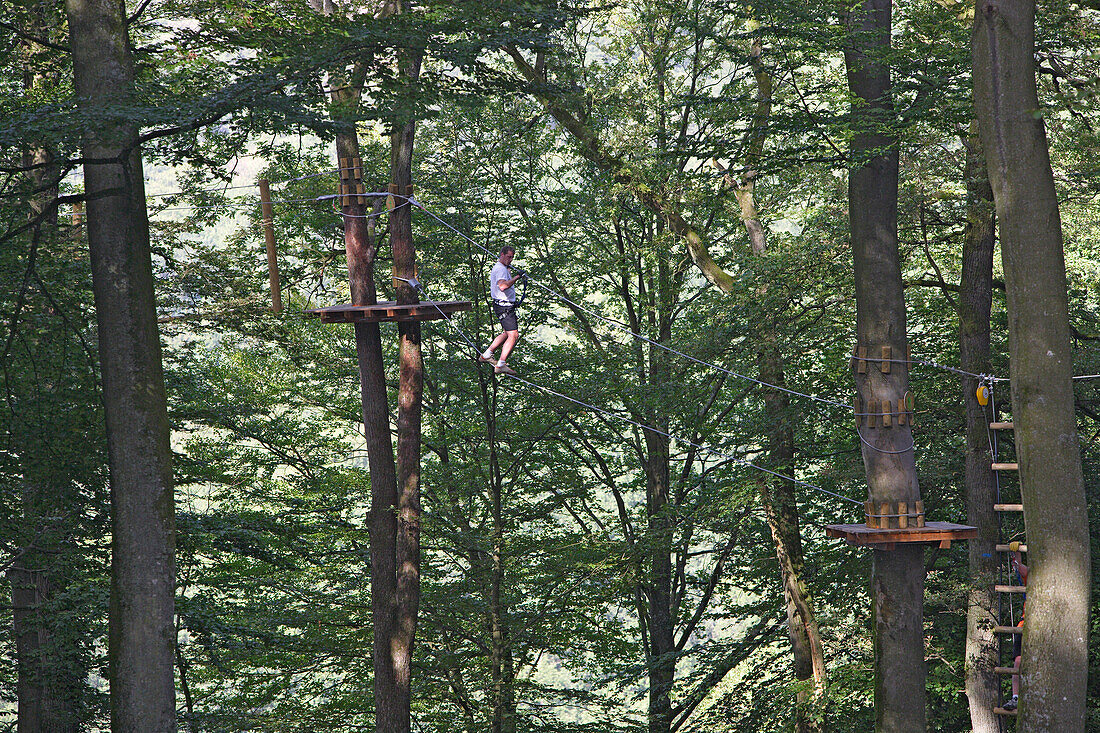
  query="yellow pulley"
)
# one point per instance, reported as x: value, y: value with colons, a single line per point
x: 983, y: 395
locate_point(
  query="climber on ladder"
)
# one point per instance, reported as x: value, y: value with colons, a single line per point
x: 502, y: 288
x: 1018, y: 565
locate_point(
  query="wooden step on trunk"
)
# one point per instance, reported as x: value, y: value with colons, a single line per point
x: 1010, y: 588
x: 1004, y: 670
x: 1008, y: 507
x: 1006, y: 466
x: 1007, y: 630
x: 1002, y: 711
x: 1001, y: 425
x: 1006, y: 548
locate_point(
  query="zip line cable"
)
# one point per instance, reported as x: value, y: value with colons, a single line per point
x: 249, y: 185
x: 641, y: 425
x: 411, y: 200
x: 625, y: 328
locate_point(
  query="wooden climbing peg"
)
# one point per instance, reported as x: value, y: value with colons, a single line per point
x: 861, y: 367
x: 352, y: 190
x: 872, y: 518
x: 884, y: 365
x: 901, y: 412
x: 903, y: 515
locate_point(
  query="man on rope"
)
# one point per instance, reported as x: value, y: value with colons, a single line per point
x: 502, y: 289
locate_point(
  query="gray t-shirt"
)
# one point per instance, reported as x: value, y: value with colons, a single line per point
x: 501, y: 272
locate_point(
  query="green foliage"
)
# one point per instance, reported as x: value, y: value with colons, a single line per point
x: 539, y: 524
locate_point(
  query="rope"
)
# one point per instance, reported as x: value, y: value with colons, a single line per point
x: 248, y: 185
x: 625, y: 328
x: 883, y: 450
x: 643, y: 426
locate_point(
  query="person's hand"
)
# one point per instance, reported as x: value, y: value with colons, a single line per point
x: 1014, y: 546
x: 519, y: 274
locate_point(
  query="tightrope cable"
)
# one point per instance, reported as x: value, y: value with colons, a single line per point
x: 631, y: 421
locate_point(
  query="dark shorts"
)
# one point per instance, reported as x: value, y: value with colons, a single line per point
x: 506, y: 314
x: 1018, y: 642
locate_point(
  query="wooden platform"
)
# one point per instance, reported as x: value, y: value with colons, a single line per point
x: 388, y: 310
x: 937, y: 533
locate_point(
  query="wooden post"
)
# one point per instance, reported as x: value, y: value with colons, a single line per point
x: 268, y: 215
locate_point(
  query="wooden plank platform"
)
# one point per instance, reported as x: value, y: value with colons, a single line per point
x: 388, y: 310
x: 1008, y: 507
x: 1002, y: 425
x: 1006, y: 466
x: 940, y: 533
x: 1010, y: 588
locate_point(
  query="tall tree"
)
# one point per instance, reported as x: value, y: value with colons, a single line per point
x: 675, y: 40
x: 1055, y: 657
x: 974, y: 306
x: 888, y: 456
x: 142, y: 631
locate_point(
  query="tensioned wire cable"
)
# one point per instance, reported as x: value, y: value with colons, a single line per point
x: 631, y: 421
x: 279, y: 182
x: 616, y: 324
x: 625, y: 328
x: 411, y: 200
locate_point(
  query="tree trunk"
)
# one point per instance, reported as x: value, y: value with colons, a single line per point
x: 975, y: 300
x: 897, y: 575
x: 781, y: 510
x: 410, y: 395
x: 49, y: 675
x: 142, y: 634
x: 778, y: 495
x: 662, y: 646
x: 361, y: 247
x: 1055, y: 661
x: 503, y: 670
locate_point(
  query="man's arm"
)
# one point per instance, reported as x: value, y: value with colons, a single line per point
x: 505, y: 284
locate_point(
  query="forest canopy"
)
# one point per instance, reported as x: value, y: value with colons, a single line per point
x: 630, y: 534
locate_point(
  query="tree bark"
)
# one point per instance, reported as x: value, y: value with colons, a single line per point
x: 410, y: 397
x: 781, y: 511
x: 975, y: 301
x: 361, y: 247
x: 897, y: 575
x: 1055, y: 662
x: 659, y: 530
x: 142, y: 634
x: 49, y: 677
x: 501, y: 660
x: 778, y: 495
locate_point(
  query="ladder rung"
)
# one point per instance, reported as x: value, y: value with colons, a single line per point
x: 1005, y: 670
x: 1010, y: 588
x: 1001, y: 425
x: 1006, y: 467
x: 1007, y: 630
x: 1006, y: 548
x: 1008, y: 507
x: 1002, y: 711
